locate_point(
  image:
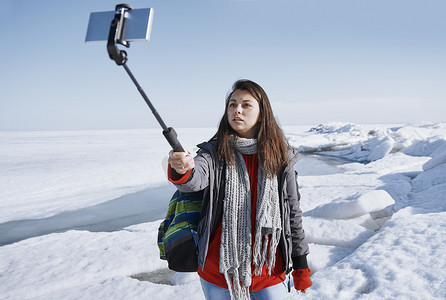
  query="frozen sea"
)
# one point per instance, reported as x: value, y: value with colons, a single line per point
x: 79, y: 212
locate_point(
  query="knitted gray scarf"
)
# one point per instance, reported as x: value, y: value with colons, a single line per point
x: 236, y: 240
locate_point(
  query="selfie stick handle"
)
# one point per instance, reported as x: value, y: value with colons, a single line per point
x: 120, y: 57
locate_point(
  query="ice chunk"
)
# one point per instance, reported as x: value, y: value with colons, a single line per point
x: 431, y: 177
x: 439, y: 157
x: 341, y: 233
x: 431, y: 199
x: 346, y: 209
x: 339, y: 127
x: 367, y: 222
x: 380, y: 148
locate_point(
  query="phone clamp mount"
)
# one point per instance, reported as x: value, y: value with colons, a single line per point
x: 115, y: 36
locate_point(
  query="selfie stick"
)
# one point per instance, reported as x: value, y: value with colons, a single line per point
x: 120, y: 57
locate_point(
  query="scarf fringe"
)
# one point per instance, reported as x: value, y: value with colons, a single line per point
x: 262, y: 256
x: 236, y: 289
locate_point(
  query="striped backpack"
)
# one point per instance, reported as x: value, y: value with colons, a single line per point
x: 177, y: 234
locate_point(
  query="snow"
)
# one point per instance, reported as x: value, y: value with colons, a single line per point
x: 45, y: 173
x: 376, y: 226
x: 404, y: 260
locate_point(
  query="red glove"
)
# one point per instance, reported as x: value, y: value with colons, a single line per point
x: 301, y: 278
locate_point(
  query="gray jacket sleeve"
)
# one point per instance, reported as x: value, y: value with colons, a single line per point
x: 299, y: 244
x: 200, y: 176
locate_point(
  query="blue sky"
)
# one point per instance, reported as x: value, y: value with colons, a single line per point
x: 319, y: 61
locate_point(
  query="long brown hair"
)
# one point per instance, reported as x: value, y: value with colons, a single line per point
x: 272, y: 146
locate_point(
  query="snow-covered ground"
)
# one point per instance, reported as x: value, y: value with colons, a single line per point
x: 45, y: 173
x: 377, y: 228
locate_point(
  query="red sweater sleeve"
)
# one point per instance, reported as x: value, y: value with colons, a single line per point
x: 176, y: 178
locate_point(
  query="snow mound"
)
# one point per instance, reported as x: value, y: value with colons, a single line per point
x: 425, y: 147
x: 366, y: 203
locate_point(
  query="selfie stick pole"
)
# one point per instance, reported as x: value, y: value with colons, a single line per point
x: 120, y: 57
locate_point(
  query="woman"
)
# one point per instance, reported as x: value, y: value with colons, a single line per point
x: 250, y: 232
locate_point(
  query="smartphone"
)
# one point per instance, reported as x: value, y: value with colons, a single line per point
x: 138, y: 25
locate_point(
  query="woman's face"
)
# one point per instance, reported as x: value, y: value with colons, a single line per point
x: 243, y: 113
